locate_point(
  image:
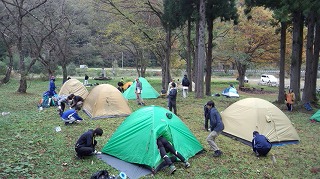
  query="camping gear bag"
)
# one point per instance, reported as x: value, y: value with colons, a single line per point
x: 102, y: 174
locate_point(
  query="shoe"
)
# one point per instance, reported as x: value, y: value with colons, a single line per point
x: 96, y: 152
x: 172, y: 169
x: 217, y: 153
x: 187, y: 164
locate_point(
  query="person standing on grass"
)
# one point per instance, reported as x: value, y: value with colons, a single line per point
x: 71, y: 116
x: 164, y: 146
x: 185, y: 86
x: 86, y: 78
x: 52, y: 86
x: 138, y: 92
x: 260, y: 144
x: 290, y: 97
x: 216, y: 126
x: 172, y: 98
x: 85, y: 146
x: 206, y: 112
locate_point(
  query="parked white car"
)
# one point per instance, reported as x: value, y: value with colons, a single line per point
x: 268, y: 79
x: 246, y: 80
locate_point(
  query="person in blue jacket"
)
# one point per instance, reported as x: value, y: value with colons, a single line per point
x: 85, y: 145
x: 260, y: 144
x: 52, y: 86
x: 71, y: 116
x: 216, y: 127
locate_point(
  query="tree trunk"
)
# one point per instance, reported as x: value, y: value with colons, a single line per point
x: 195, y: 57
x: 23, y: 76
x: 167, y: 75
x: 307, y: 90
x: 64, y: 72
x: 209, y: 57
x: 283, y: 42
x: 241, y: 68
x: 297, y: 40
x: 315, y: 60
x: 189, y: 55
x: 201, y: 50
x: 10, y: 65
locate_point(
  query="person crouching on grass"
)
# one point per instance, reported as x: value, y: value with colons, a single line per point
x: 85, y: 145
x: 71, y: 116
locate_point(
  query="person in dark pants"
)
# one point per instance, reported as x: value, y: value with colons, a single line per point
x: 172, y: 98
x: 86, y: 144
x: 216, y: 127
x: 164, y: 146
x: 260, y: 144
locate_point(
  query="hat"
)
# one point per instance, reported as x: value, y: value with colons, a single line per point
x: 98, y: 131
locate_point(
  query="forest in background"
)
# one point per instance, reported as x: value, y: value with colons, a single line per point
x: 42, y: 36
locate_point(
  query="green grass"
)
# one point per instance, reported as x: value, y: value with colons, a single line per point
x: 30, y: 147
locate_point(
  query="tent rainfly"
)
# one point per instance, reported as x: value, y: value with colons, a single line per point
x: 148, y: 92
x: 74, y: 86
x: 134, y: 140
x: 254, y: 114
x: 105, y: 101
x: 230, y: 92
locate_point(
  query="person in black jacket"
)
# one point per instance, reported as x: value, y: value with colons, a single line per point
x: 260, y: 144
x: 172, y: 98
x: 86, y: 144
x: 76, y: 101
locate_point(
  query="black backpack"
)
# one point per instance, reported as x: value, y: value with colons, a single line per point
x: 102, y: 174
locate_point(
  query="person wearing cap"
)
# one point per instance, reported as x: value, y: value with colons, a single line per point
x: 85, y: 146
x: 260, y: 144
x: 216, y: 127
x: 138, y: 92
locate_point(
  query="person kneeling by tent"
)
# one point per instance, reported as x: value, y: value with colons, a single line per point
x: 71, y: 116
x: 164, y: 146
x: 260, y: 144
x: 85, y: 146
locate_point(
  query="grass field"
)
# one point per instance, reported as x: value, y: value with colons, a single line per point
x: 31, y: 148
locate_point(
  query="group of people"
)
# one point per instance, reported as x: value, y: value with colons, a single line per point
x: 260, y: 143
x: 85, y: 145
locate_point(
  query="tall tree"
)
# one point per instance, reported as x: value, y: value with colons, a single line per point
x: 201, y: 51
x: 19, y: 12
x: 226, y: 10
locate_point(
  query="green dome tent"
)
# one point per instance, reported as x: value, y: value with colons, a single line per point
x: 316, y: 116
x: 135, y: 139
x: 148, y: 92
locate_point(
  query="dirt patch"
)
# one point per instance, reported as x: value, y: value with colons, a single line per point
x: 256, y: 91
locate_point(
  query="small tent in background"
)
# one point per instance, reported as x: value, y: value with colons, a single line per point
x: 316, y: 116
x: 230, y: 92
x: 105, y: 101
x: 253, y: 114
x: 134, y: 140
x: 148, y: 92
x: 127, y: 85
x: 74, y: 86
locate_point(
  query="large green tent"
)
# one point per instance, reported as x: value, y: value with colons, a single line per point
x: 148, y: 92
x: 134, y: 141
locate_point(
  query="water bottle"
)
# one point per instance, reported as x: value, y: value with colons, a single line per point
x: 5, y: 113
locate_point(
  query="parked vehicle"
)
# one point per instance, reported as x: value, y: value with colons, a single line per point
x: 246, y: 80
x: 268, y: 79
